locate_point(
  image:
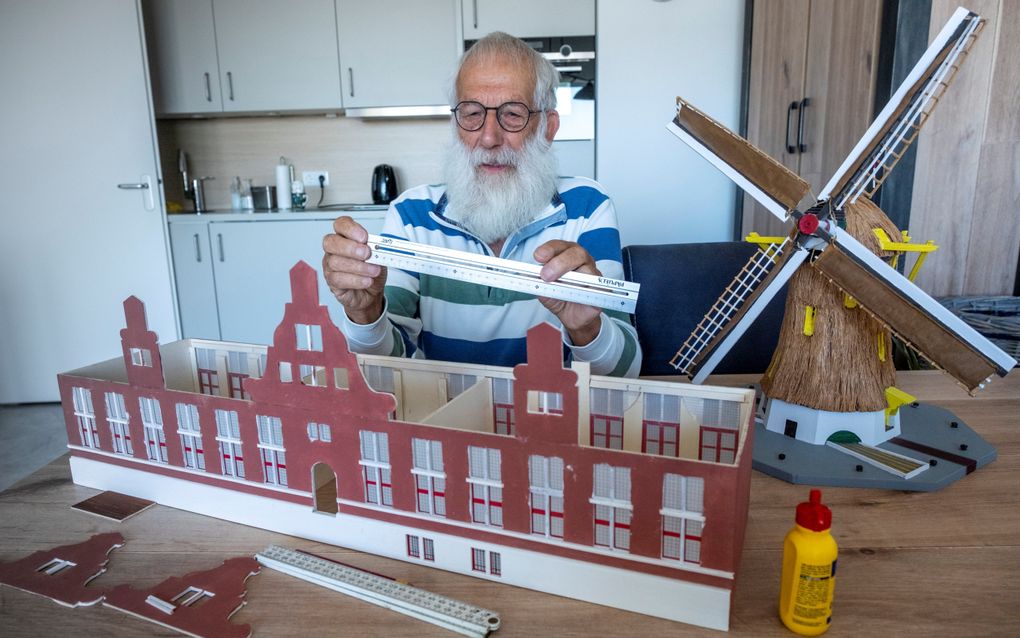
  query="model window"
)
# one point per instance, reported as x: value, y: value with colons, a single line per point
x: 309, y: 337
x: 458, y: 383
x: 429, y: 549
x: 611, y: 498
x: 228, y: 436
x: 719, y: 435
x: 545, y: 402
x: 313, y: 376
x: 375, y: 468
x: 274, y: 462
x: 503, y: 406
x: 191, y: 436
x: 85, y: 414
x: 546, y: 478
x: 152, y: 423
x: 607, y: 418
x: 141, y: 357
x: 412, y: 546
x: 208, y: 377
x: 478, y: 560
x: 430, y: 480
x: 117, y: 417
x: 682, y: 517
x: 486, y: 486
x: 495, y: 564
x: 661, y: 425
x: 319, y: 432
x: 237, y: 372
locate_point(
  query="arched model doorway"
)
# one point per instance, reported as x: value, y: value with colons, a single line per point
x: 324, y: 488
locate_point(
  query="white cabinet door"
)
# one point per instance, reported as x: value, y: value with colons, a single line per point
x: 80, y: 117
x: 196, y: 289
x: 182, y: 54
x: 277, y: 55
x: 397, y: 52
x: 252, y: 266
x: 529, y: 18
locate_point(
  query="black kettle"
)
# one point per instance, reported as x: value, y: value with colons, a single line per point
x: 384, y: 184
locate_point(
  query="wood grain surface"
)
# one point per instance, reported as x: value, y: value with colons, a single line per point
x: 941, y: 563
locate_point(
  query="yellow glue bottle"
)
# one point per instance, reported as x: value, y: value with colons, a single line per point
x: 809, y: 570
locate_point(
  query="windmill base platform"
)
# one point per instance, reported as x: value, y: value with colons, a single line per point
x: 928, y: 436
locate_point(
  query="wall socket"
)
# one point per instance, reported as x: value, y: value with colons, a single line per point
x: 311, y: 178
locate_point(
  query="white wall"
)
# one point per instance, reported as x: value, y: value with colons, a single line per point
x: 648, y: 53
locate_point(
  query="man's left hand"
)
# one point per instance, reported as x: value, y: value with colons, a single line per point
x: 558, y: 257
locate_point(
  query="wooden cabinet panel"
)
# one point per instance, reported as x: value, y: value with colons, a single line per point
x: 823, y: 51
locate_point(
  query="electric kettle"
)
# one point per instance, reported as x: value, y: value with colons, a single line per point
x: 384, y: 184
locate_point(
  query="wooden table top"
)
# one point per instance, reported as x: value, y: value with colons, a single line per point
x: 943, y: 563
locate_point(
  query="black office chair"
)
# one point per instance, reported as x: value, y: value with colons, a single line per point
x: 679, y: 283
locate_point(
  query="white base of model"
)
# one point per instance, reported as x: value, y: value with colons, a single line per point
x: 816, y: 426
x: 668, y: 598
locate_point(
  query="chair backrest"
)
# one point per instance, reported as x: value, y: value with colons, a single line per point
x: 679, y: 284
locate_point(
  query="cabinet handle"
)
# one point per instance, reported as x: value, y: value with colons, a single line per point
x: 801, y: 146
x: 790, y: 148
x: 230, y: 84
x: 474, y: 5
x: 208, y: 88
x: 198, y: 249
x: 219, y: 240
x: 350, y: 80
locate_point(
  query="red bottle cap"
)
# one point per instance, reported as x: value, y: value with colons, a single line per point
x: 813, y: 515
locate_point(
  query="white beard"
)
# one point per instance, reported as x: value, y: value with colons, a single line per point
x: 490, y: 206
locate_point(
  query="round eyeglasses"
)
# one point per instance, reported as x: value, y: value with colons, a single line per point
x: 512, y: 116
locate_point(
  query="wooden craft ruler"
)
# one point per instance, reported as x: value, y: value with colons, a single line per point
x: 448, y: 613
x: 601, y: 292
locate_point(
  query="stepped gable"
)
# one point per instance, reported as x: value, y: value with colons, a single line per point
x: 140, y: 347
x: 357, y: 398
x: 544, y: 373
x: 69, y: 569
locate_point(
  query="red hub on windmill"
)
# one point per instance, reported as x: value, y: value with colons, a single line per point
x: 808, y: 223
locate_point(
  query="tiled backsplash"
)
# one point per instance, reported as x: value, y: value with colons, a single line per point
x: 347, y: 148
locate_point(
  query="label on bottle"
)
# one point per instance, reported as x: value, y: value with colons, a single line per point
x: 814, y: 591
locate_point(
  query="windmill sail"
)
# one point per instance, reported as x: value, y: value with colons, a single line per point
x: 908, y: 311
x: 774, y: 186
x: 896, y: 127
x: 744, y: 299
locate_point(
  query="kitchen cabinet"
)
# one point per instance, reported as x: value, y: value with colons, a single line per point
x: 397, y: 52
x: 812, y: 88
x: 243, y: 55
x: 233, y: 277
x: 528, y: 18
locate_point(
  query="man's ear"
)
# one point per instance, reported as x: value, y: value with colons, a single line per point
x: 552, y: 120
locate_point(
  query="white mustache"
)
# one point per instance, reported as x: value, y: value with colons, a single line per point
x: 504, y: 156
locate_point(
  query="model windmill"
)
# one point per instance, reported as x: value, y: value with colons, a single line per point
x: 831, y: 378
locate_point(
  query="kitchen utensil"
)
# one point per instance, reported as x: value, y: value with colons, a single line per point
x: 264, y: 197
x: 384, y: 184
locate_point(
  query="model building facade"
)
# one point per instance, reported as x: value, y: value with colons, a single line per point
x: 622, y: 492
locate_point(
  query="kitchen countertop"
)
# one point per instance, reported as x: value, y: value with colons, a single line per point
x: 359, y: 211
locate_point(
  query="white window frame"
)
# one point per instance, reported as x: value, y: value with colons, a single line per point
x: 319, y: 432
x: 612, y: 505
x: 546, y: 499
x: 457, y: 384
x: 375, y: 467
x: 429, y: 477
x: 683, y: 505
x: 56, y: 565
x: 141, y: 357
x: 228, y: 439
x: 308, y: 337
x: 117, y: 416
x: 485, y: 485
x: 191, y: 436
x: 85, y: 414
x: 545, y: 402
x: 607, y: 418
x: 152, y: 427
x: 271, y: 450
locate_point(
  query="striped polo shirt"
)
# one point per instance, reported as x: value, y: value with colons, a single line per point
x: 438, y: 318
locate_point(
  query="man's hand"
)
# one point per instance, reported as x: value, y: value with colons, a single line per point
x: 356, y: 284
x: 558, y: 257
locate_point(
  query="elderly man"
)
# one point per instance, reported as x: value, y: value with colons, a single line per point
x: 502, y: 197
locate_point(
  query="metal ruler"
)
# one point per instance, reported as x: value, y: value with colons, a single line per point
x: 593, y: 290
x: 448, y: 613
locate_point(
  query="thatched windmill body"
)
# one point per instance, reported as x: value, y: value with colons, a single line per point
x: 832, y: 374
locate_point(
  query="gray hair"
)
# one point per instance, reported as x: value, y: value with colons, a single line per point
x: 506, y: 47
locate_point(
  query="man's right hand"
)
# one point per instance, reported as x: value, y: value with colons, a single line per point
x: 357, y: 285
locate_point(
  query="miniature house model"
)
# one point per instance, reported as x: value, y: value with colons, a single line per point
x: 622, y: 492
